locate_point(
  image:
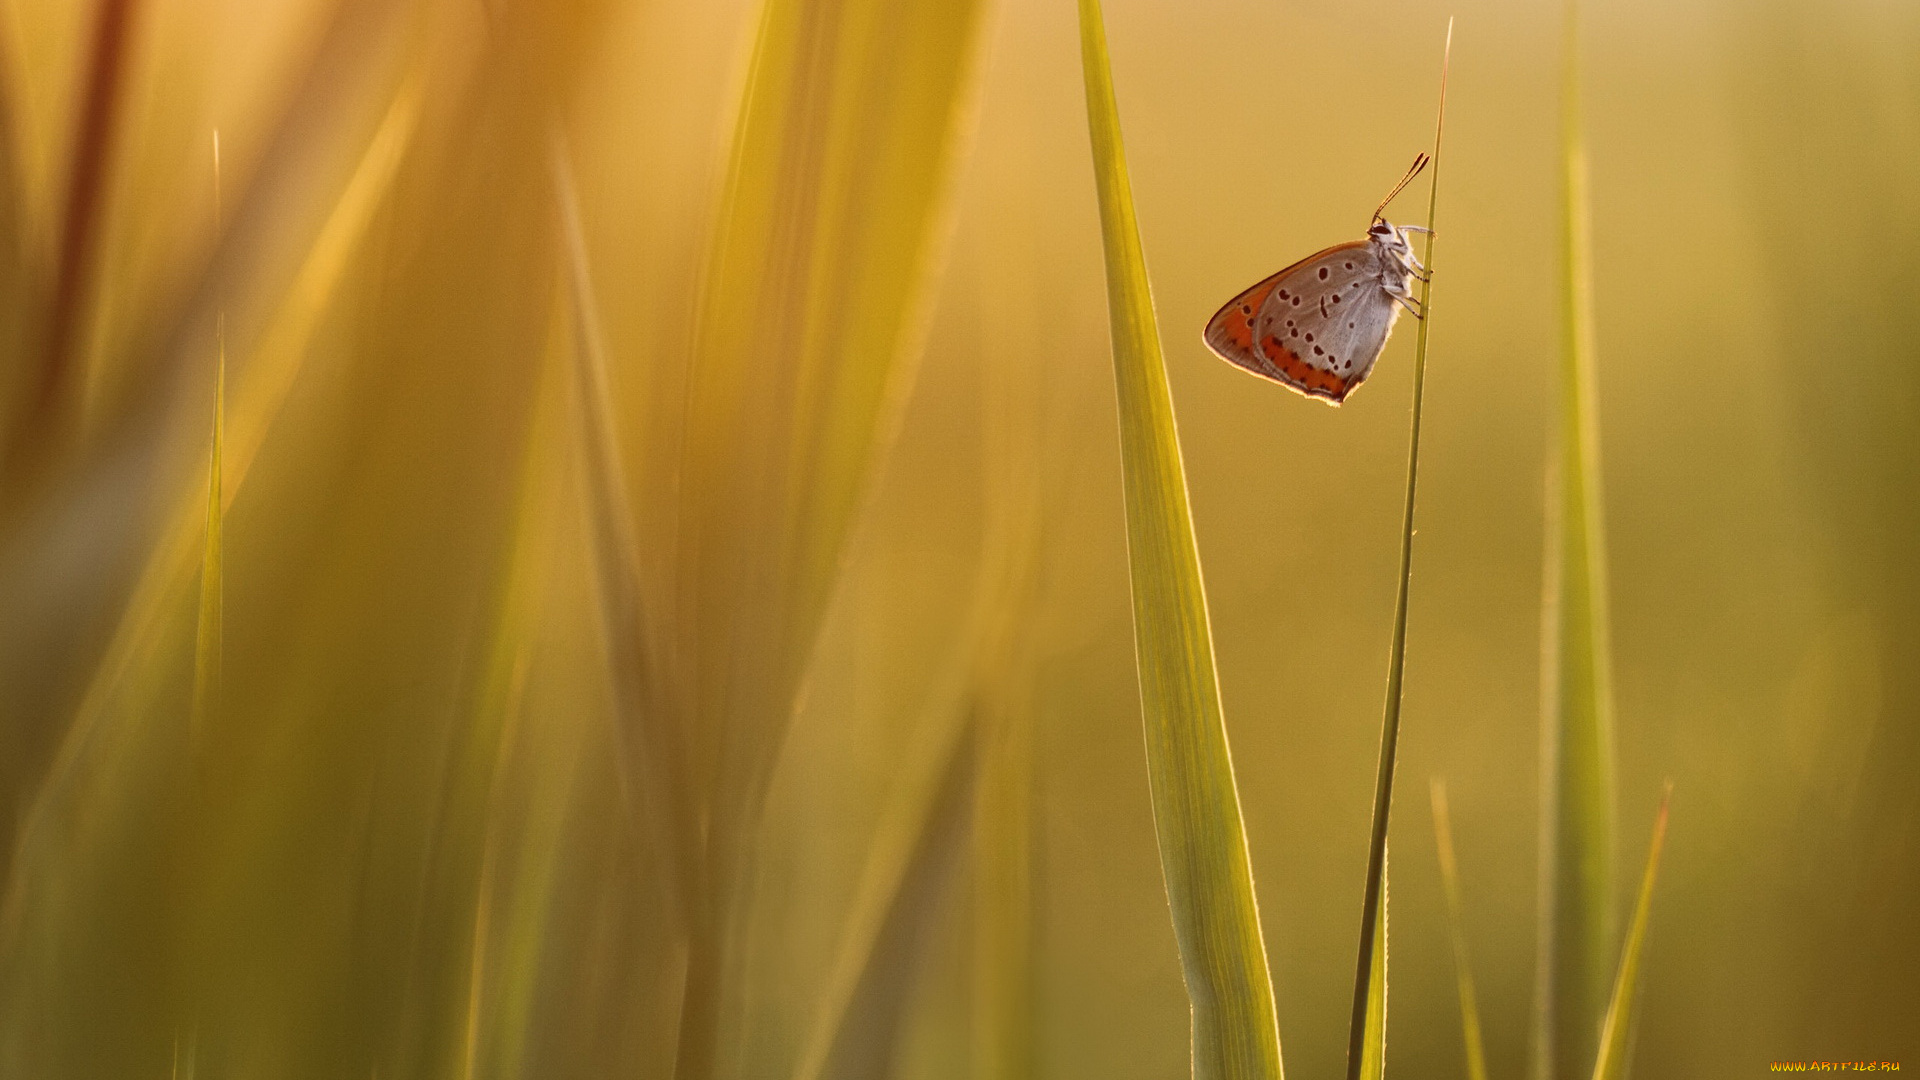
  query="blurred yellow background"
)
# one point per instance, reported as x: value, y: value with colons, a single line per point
x: 406, y: 825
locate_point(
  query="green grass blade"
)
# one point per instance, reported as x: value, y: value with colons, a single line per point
x: 857, y: 1020
x: 1015, y: 423
x: 653, y: 755
x: 1367, y: 1028
x: 89, y: 182
x: 1611, y: 1063
x: 968, y: 730
x: 1577, y: 916
x: 1456, y: 924
x: 837, y: 206
x: 1196, y: 807
x: 135, y: 649
x: 209, y: 630
x: 921, y: 822
x: 20, y: 282
x: 499, y: 755
x: 1004, y: 891
x: 1373, y: 1047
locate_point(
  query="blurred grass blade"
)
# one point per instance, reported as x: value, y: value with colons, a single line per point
x: 494, y: 738
x: 1015, y: 424
x: 1456, y: 924
x: 272, y: 371
x: 209, y: 632
x: 833, y: 220
x: 866, y: 1040
x: 1577, y: 916
x: 1366, y: 1029
x: 20, y: 217
x: 651, y: 741
x: 925, y: 813
x: 1611, y: 1063
x: 835, y: 214
x: 856, y: 1023
x: 1004, y: 889
x: 1203, y: 845
x: 50, y: 401
x: 964, y: 728
x: 921, y: 825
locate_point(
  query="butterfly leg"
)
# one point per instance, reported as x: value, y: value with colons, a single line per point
x: 1407, y: 302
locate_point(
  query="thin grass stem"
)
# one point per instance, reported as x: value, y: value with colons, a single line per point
x: 1373, y: 907
x: 1456, y: 923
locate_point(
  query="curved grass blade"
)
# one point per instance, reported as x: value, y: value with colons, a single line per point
x: 1015, y: 426
x: 208, y: 633
x: 208, y: 646
x: 1611, y: 1063
x: 1196, y: 807
x: 921, y: 839
x: 89, y: 179
x: 1367, y: 1031
x: 513, y: 869
x: 652, y: 744
x: 1577, y: 916
x: 114, y: 743
x: 132, y: 654
x: 963, y: 742
x: 836, y: 208
x: 21, y: 284
x: 1456, y: 924
x: 926, y: 814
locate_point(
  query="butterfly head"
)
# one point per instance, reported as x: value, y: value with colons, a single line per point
x: 1386, y: 235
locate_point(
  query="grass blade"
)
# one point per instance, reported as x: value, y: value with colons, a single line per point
x: 652, y: 746
x: 834, y: 217
x: 1004, y: 889
x: 208, y: 632
x: 964, y: 739
x: 1016, y: 425
x: 88, y: 182
x: 1456, y: 924
x: 1611, y: 1063
x: 857, y: 1022
x: 1373, y: 1046
x: 1366, y: 1031
x: 1196, y: 807
x: 503, y: 761
x: 1577, y: 917
x: 210, y: 629
x: 272, y: 372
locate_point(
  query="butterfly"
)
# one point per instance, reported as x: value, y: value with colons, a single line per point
x: 1319, y: 325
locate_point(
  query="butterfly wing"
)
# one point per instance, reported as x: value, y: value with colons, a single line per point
x: 1318, y: 326
x: 1230, y: 332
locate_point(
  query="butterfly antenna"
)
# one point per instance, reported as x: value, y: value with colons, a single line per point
x: 1418, y: 164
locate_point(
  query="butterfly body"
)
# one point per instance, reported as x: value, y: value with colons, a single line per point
x: 1319, y: 325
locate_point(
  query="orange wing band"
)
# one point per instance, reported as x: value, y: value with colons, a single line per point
x: 1301, y: 374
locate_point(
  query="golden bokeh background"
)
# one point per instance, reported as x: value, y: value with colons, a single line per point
x: 409, y: 835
